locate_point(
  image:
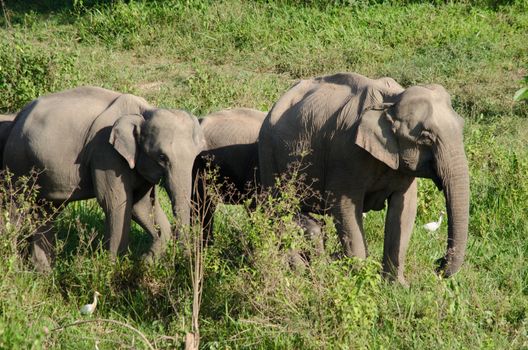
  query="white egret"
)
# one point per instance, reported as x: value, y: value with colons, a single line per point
x: 88, y: 309
x: 433, y: 226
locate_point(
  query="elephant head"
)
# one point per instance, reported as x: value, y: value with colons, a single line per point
x: 162, y: 143
x: 420, y: 134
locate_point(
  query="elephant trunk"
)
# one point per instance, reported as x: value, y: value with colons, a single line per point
x: 452, y: 168
x: 178, y: 186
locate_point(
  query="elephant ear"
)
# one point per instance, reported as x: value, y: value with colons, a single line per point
x: 375, y: 134
x: 125, y: 136
x: 198, y: 135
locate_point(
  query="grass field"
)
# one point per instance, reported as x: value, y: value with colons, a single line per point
x: 207, y: 55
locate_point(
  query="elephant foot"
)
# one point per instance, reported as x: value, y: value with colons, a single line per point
x: 396, y: 279
x: 157, y: 249
x: 148, y: 258
x: 151, y: 256
x: 402, y: 282
x: 296, y: 261
x: 42, y: 265
x: 40, y: 260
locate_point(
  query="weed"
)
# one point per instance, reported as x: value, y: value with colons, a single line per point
x: 26, y: 72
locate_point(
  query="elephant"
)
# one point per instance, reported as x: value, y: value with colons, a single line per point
x: 361, y: 143
x: 231, y: 138
x: 91, y: 142
x: 232, y: 151
x: 6, y: 121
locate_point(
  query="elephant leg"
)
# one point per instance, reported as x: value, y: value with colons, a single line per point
x: 267, y: 162
x: 147, y: 212
x: 116, y: 198
x: 399, y: 222
x: 349, y: 224
x: 42, y: 242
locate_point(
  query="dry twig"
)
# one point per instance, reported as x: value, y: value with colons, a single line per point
x: 104, y: 320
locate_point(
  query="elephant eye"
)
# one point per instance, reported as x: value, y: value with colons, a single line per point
x: 162, y: 158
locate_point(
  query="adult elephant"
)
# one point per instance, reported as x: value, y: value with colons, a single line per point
x: 361, y: 143
x: 91, y: 142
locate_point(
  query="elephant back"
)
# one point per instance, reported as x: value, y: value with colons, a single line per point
x: 239, y: 126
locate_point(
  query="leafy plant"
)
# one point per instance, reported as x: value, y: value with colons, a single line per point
x: 522, y: 93
x: 27, y: 72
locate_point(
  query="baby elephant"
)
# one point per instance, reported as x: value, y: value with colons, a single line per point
x: 91, y: 142
x: 232, y: 150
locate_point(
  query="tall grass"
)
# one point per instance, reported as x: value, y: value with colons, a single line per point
x: 208, y: 55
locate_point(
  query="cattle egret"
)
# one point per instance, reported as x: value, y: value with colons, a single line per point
x: 88, y: 309
x: 433, y: 226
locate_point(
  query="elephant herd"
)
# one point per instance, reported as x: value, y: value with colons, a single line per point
x: 360, y: 143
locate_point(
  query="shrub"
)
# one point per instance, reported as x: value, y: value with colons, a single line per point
x: 283, y: 287
x: 27, y: 71
x: 20, y: 215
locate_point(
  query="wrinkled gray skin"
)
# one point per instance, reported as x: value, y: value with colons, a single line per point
x: 367, y: 141
x: 232, y: 150
x: 231, y: 137
x: 91, y: 142
x: 6, y: 122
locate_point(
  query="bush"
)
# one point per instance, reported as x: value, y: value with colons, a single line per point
x: 27, y: 71
x: 273, y: 294
x: 19, y: 217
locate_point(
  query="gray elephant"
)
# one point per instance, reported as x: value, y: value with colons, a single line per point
x: 232, y: 151
x: 231, y: 137
x: 91, y: 142
x: 6, y: 122
x: 361, y: 143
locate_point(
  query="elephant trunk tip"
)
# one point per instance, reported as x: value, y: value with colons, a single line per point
x: 450, y: 264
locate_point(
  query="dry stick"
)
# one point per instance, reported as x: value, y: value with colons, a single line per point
x: 6, y: 15
x: 192, y: 340
x: 76, y: 323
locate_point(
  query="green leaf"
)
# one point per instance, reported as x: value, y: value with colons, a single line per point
x: 521, y: 94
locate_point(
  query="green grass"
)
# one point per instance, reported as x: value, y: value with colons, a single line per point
x: 206, y: 55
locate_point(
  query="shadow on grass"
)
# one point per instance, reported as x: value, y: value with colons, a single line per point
x: 14, y: 11
x: 49, y: 6
x: 44, y: 7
